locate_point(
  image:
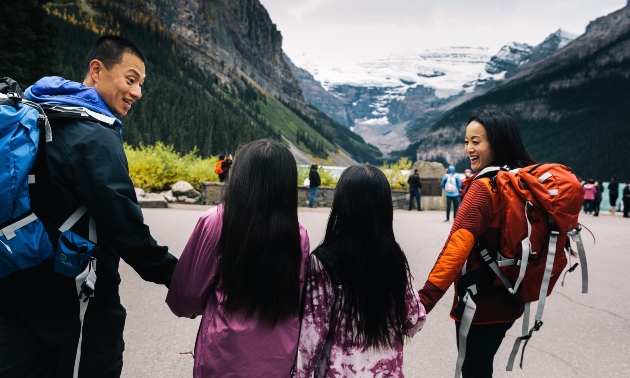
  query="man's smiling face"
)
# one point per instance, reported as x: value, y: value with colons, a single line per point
x: 120, y: 86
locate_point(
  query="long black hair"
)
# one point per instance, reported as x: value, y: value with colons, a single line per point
x: 504, y: 138
x: 260, y: 240
x: 370, y: 264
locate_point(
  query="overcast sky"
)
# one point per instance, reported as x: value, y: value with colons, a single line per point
x: 341, y: 30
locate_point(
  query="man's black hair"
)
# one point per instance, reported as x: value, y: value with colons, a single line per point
x: 109, y: 49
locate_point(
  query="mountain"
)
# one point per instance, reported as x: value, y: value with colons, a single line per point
x: 548, y: 47
x: 313, y: 92
x: 224, y: 35
x: 391, y: 101
x: 216, y: 75
x: 572, y: 107
x: 509, y: 58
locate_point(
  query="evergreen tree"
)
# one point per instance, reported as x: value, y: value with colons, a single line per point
x: 27, y: 42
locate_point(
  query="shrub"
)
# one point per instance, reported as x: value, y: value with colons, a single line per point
x: 157, y: 168
x: 397, y: 180
x: 325, y: 176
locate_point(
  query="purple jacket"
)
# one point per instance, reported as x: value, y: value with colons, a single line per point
x: 589, y: 191
x: 228, y: 346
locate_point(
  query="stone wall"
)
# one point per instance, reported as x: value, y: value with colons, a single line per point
x: 211, y: 193
x: 431, y: 173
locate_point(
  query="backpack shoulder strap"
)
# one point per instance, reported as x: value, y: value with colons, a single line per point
x: 78, y: 112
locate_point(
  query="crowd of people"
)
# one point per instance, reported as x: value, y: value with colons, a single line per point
x: 269, y: 306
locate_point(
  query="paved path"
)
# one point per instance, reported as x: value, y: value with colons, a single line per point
x: 584, y: 335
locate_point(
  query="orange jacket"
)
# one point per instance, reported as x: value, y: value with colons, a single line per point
x: 479, y: 215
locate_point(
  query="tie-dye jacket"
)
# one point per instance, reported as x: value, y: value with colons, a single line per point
x: 323, y: 347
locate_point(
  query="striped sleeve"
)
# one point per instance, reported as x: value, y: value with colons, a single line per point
x: 472, y: 220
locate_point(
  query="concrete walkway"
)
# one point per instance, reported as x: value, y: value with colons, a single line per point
x: 584, y: 335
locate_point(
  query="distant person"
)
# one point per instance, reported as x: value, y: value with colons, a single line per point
x: 626, y: 201
x: 462, y: 189
x: 613, y: 193
x: 492, y: 139
x: 225, y: 168
x: 314, y: 182
x: 451, y: 185
x: 218, y: 168
x: 42, y: 330
x: 589, y: 196
x: 243, y: 270
x: 360, y: 306
x: 598, y: 197
x: 415, y: 187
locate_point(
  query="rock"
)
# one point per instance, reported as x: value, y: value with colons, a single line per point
x: 194, y: 194
x: 192, y: 200
x: 182, y: 188
x: 152, y: 200
x: 429, y: 169
x: 182, y: 198
x: 139, y: 192
x: 168, y: 196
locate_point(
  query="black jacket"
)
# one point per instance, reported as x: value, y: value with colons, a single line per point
x: 414, y: 182
x: 225, y: 165
x: 314, y: 178
x: 84, y: 164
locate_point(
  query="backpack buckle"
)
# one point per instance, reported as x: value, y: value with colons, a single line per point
x: 14, y: 96
x: 538, y: 324
x: 87, y: 288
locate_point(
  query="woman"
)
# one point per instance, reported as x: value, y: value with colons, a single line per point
x: 243, y: 270
x: 589, y: 191
x: 492, y: 139
x: 360, y: 304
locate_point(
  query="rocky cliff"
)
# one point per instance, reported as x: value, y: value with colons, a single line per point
x: 315, y: 94
x: 227, y: 38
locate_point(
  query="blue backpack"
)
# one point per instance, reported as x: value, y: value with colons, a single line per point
x: 24, y: 242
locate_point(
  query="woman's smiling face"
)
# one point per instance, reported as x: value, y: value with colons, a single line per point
x: 478, y: 147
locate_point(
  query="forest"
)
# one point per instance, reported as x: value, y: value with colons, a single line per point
x: 181, y: 105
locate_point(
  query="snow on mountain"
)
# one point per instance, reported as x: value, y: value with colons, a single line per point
x: 448, y: 70
x: 509, y: 57
x: 407, y: 91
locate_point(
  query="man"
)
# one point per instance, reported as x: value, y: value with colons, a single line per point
x: 626, y: 201
x: 451, y: 184
x: 40, y: 329
x: 225, y: 166
x: 414, y: 189
x: 315, y: 182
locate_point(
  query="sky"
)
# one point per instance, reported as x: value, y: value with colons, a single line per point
x: 342, y: 30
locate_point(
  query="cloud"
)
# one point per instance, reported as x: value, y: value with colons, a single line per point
x: 380, y: 26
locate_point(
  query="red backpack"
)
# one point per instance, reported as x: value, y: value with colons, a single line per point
x: 540, y: 205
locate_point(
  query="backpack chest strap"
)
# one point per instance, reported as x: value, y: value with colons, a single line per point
x: 9, y: 230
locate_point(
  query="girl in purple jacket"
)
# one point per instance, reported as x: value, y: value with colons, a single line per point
x: 360, y: 305
x: 243, y: 270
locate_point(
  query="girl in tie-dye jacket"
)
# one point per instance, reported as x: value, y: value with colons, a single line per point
x: 359, y: 303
